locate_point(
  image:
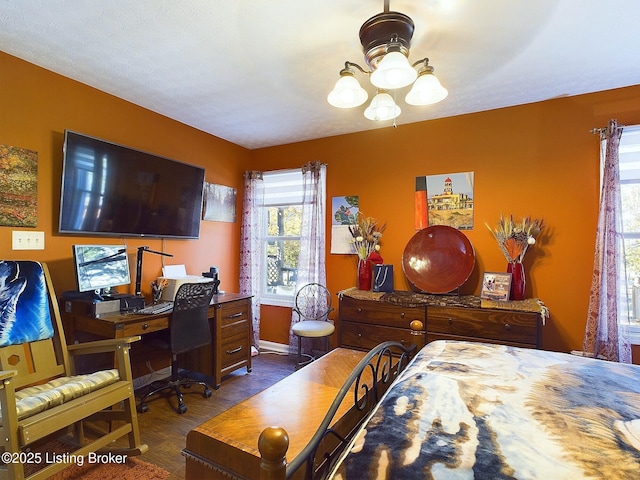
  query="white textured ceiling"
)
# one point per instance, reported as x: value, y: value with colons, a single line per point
x: 257, y: 72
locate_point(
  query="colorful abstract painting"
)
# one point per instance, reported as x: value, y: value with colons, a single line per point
x: 18, y: 187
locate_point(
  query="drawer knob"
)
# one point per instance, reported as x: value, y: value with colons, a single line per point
x: 145, y: 326
x: 450, y: 321
x: 402, y: 315
x: 359, y: 335
x: 507, y: 326
x: 359, y: 310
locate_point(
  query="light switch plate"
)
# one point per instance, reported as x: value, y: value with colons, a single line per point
x: 27, y: 240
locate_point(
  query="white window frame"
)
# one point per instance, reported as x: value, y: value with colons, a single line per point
x: 629, y: 155
x: 282, y: 188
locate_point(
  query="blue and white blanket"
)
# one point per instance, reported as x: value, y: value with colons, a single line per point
x: 466, y: 410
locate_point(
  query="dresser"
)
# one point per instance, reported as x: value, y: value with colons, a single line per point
x: 368, y: 318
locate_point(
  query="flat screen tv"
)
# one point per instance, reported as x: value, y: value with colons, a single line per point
x: 110, y: 189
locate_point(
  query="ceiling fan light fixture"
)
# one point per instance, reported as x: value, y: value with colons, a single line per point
x: 386, y: 40
x: 382, y: 108
x: 427, y: 89
x: 347, y: 92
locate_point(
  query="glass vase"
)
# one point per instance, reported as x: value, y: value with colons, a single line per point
x: 364, y: 275
x: 516, y: 269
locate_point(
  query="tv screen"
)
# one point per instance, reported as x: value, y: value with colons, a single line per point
x: 109, y: 189
x: 100, y: 267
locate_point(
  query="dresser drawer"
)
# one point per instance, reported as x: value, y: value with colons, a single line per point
x: 379, y: 313
x: 364, y: 337
x: 497, y: 326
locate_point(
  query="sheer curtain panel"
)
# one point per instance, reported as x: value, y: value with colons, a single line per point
x: 311, y: 260
x: 251, y: 263
x: 606, y: 333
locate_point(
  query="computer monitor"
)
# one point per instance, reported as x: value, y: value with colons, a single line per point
x: 100, y: 267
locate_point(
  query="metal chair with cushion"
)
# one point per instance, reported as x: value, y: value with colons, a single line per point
x: 188, y: 330
x: 312, y: 305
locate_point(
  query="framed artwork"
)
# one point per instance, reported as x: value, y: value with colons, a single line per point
x: 219, y: 203
x: 344, y: 213
x: 496, y: 286
x: 444, y: 200
x: 19, y: 187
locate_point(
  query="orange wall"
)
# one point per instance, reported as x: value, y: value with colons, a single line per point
x: 37, y: 107
x: 538, y: 159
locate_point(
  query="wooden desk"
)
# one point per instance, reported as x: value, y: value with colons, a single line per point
x: 231, y: 330
x: 227, y: 445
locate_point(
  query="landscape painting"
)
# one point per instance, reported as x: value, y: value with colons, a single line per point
x: 19, y: 187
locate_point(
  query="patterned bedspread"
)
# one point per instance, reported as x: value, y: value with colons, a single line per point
x: 469, y: 410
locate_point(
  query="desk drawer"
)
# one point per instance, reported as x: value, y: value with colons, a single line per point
x: 234, y: 351
x: 379, y: 313
x: 233, y: 313
x: 146, y: 326
x: 484, y: 324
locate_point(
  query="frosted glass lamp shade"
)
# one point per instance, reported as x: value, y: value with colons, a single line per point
x: 393, y: 71
x: 426, y: 91
x: 382, y: 108
x: 347, y: 93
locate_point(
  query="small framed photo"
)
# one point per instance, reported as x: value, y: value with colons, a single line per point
x: 495, y: 286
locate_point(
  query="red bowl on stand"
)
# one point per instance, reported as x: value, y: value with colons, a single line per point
x: 438, y: 259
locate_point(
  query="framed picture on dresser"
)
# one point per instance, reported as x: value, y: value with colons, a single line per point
x: 495, y: 286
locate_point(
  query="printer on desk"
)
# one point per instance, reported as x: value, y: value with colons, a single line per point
x: 172, y: 285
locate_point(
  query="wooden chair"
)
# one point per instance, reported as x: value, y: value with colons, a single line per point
x: 40, y: 395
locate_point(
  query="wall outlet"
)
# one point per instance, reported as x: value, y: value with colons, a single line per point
x: 27, y: 240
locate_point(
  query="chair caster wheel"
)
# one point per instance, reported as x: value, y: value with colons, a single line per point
x: 181, y: 408
x: 206, y: 393
x: 143, y: 408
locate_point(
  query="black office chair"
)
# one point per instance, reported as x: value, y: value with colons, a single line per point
x: 188, y: 330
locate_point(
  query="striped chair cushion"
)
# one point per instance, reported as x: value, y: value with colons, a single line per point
x: 36, y: 399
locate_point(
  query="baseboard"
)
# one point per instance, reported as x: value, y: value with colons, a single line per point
x: 274, y: 347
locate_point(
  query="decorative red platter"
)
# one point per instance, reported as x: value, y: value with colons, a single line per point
x: 438, y: 259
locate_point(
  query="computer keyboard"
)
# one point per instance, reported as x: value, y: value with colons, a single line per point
x: 161, y: 307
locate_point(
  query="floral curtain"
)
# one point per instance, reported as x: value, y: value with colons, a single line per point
x: 311, y: 259
x: 251, y: 245
x: 606, y: 334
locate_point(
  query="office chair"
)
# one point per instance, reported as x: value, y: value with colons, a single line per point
x: 313, y: 305
x: 188, y: 330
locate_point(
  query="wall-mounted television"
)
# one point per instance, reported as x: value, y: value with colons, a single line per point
x: 110, y: 189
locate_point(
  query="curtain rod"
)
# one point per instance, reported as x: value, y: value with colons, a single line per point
x: 600, y: 130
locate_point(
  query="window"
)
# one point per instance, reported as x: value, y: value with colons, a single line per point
x: 629, y: 155
x: 281, y: 237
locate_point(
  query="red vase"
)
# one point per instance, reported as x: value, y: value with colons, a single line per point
x: 364, y: 275
x: 516, y: 269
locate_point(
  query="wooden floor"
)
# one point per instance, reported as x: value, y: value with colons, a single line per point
x: 165, y: 431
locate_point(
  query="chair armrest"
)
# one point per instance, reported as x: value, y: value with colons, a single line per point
x: 101, y: 346
x: 5, y: 374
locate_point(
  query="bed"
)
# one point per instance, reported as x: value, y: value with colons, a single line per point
x: 463, y: 410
